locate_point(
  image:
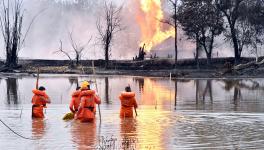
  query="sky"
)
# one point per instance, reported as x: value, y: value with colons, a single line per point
x: 60, y: 17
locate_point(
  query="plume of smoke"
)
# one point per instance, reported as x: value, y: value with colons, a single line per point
x: 79, y: 16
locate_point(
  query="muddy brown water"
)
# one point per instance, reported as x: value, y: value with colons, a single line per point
x: 176, y: 114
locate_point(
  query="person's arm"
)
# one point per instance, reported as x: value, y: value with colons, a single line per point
x: 97, y: 99
x: 47, y: 99
x: 135, y: 103
x: 44, y: 100
x: 71, y: 106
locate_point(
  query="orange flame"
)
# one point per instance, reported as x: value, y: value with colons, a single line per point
x: 149, y: 18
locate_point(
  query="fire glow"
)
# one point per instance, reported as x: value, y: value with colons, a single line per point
x: 149, y: 19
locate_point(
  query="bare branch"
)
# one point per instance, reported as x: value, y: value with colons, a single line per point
x: 167, y: 22
x: 62, y: 51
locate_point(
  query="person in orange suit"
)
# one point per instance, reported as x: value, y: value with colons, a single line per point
x: 39, y: 101
x: 128, y: 102
x: 75, y: 101
x: 87, y: 108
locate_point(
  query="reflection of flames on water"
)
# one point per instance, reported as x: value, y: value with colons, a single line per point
x: 148, y: 18
x: 154, y: 93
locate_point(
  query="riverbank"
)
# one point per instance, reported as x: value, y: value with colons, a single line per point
x: 186, y: 68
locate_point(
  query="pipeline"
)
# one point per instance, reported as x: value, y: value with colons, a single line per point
x: 27, y: 138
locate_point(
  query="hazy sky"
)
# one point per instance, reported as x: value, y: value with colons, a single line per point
x: 79, y: 17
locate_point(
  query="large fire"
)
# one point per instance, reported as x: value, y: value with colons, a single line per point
x: 149, y: 19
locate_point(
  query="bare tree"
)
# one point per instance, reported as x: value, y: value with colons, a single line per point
x: 71, y: 64
x: 11, y: 25
x: 77, y: 49
x: 108, y: 25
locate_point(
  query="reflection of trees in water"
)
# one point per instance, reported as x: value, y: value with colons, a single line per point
x: 229, y: 84
x: 203, y: 89
x: 11, y: 90
x: 202, y: 92
x: 140, y: 82
x: 234, y: 84
x: 176, y: 89
x: 238, y: 85
x: 107, y: 90
x: 73, y: 80
x: 197, y: 84
x: 176, y: 92
x: 208, y: 90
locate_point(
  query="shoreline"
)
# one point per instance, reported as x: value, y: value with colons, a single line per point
x: 186, y: 68
x: 142, y: 73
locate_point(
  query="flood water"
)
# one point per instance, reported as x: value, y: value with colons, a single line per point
x: 172, y: 114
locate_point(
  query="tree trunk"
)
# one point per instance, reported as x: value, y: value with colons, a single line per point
x: 197, y: 54
x: 256, y: 49
x: 77, y: 60
x: 257, y: 57
x: 106, y: 55
x: 209, y: 58
x: 176, y: 47
x: 235, y: 44
x: 11, y: 59
x: 176, y: 30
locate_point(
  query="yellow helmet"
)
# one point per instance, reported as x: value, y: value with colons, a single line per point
x: 85, y: 84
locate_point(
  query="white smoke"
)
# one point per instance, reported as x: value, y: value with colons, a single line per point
x: 79, y: 16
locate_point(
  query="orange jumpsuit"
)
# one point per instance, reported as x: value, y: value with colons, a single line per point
x: 75, y: 101
x: 39, y: 100
x: 128, y: 101
x: 87, y: 108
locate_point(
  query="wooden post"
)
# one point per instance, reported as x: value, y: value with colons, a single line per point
x: 135, y: 111
x: 96, y: 90
x: 37, y: 83
x: 98, y: 104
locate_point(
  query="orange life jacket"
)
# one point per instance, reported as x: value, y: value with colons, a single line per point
x: 128, y: 101
x: 87, y: 110
x: 75, y: 101
x: 39, y: 100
